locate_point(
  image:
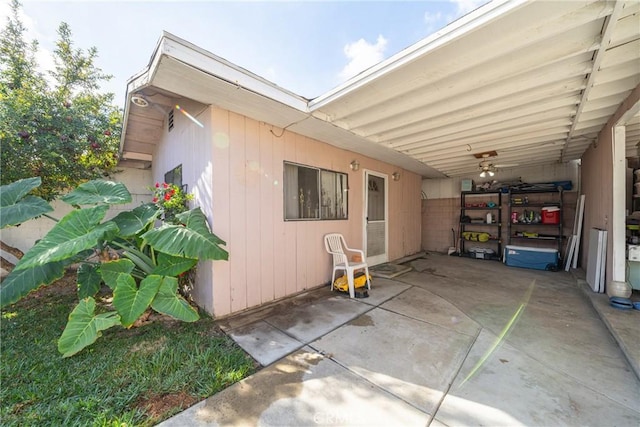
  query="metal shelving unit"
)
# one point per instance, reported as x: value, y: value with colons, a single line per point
x: 535, y: 232
x: 476, y: 205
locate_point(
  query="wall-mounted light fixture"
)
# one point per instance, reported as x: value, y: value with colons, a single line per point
x: 396, y: 176
x: 354, y: 165
x: 139, y: 100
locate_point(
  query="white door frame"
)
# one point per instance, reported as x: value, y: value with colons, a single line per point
x: 378, y: 259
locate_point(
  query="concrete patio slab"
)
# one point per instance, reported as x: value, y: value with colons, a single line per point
x: 575, y: 346
x: 413, y: 360
x: 423, y: 305
x: 264, y: 342
x: 310, y: 321
x: 275, y: 308
x: 423, y: 349
x: 383, y: 290
x: 623, y: 324
x: 304, y: 389
x: 506, y: 387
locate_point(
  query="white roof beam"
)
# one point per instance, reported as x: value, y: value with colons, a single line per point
x: 527, y: 132
x: 540, y: 144
x: 609, y: 25
x: 450, y: 124
x: 508, y: 157
x: 502, y: 75
x: 472, y: 130
x: 451, y: 106
x: 504, y: 145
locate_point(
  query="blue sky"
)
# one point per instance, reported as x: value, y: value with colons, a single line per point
x: 305, y: 47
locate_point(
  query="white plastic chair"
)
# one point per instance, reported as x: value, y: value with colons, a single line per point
x: 337, y: 247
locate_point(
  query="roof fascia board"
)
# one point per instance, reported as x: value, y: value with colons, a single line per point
x: 136, y: 82
x: 214, y: 65
x: 456, y: 29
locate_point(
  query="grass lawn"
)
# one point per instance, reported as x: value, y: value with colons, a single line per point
x: 139, y: 376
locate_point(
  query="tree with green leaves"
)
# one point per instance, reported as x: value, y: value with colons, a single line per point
x: 60, y: 128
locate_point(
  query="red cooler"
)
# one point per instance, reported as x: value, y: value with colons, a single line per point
x: 551, y: 215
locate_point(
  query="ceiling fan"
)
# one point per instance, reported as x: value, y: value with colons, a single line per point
x: 486, y: 167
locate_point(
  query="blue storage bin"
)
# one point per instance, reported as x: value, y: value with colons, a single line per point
x: 526, y: 257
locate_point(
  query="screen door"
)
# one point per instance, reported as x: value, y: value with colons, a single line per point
x: 376, y: 218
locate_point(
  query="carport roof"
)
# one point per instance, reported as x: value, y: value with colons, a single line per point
x: 533, y: 82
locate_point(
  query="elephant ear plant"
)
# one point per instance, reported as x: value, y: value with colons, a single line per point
x: 138, y: 262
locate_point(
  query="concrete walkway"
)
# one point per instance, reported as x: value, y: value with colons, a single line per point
x: 454, y: 342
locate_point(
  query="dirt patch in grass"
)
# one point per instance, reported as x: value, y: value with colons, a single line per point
x: 64, y: 287
x: 149, y: 347
x: 156, y: 406
x: 67, y: 285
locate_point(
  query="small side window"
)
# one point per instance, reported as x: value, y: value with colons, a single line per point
x: 174, y: 176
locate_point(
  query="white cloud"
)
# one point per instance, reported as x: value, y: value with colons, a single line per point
x: 433, y: 20
x: 465, y: 6
x: 270, y: 73
x: 362, y: 55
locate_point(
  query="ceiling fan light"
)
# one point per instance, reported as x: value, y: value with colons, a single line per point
x: 483, y: 174
x: 491, y: 173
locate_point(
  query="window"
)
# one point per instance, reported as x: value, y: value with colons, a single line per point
x: 174, y: 176
x: 312, y: 193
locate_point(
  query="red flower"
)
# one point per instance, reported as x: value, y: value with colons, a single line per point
x: 165, y: 185
x: 154, y: 200
x: 157, y: 185
x: 167, y: 197
x: 172, y: 192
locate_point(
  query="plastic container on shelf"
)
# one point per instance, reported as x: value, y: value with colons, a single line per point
x: 551, y: 215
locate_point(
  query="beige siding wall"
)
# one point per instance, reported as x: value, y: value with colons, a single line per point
x: 597, y: 183
x: 271, y: 258
x: 190, y: 145
x: 597, y: 172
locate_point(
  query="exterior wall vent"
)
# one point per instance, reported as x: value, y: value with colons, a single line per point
x: 170, y: 120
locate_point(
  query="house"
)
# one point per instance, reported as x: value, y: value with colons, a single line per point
x: 550, y: 88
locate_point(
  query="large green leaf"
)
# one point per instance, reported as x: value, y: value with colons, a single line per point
x: 26, y: 209
x: 130, y: 301
x: 20, y: 282
x: 15, y: 208
x: 194, y: 240
x: 132, y: 222
x: 195, y: 220
x: 78, y: 231
x: 89, y: 280
x: 84, y: 327
x: 97, y: 192
x: 11, y: 193
x: 167, y: 301
x: 111, y: 270
x: 169, y: 265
